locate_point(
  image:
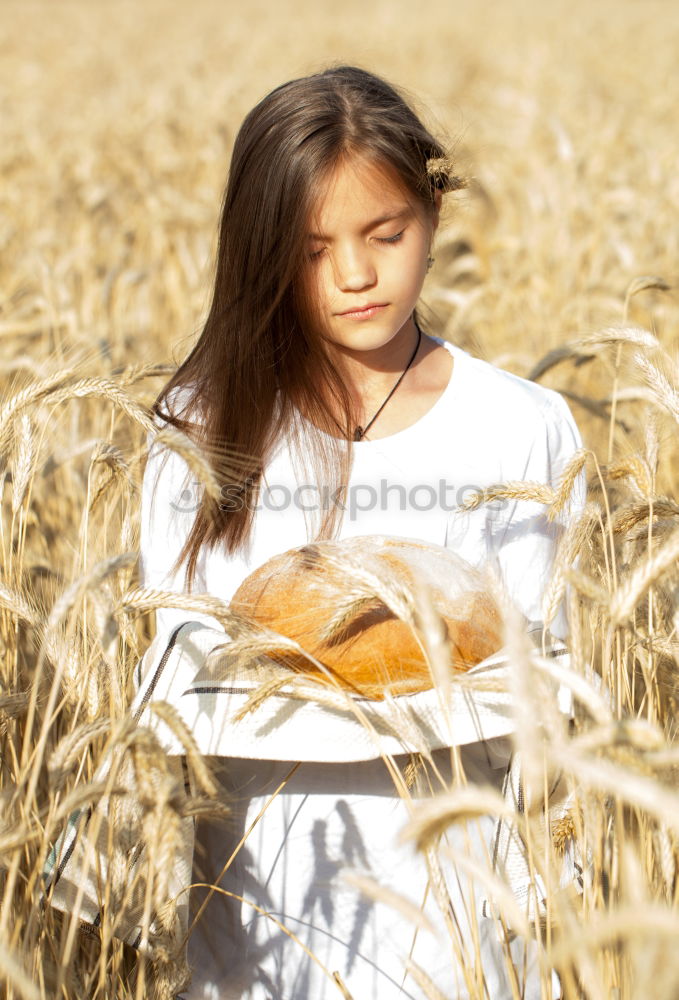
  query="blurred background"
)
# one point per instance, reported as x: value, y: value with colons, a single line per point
x: 117, y: 118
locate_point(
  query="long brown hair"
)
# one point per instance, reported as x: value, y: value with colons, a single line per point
x: 258, y: 358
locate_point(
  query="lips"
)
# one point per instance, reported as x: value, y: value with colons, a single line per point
x: 363, y: 312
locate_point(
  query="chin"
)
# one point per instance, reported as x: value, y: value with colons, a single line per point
x: 365, y: 336
x: 363, y: 342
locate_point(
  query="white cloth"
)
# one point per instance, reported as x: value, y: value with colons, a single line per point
x: 488, y: 427
x: 327, y: 819
x: 304, y: 721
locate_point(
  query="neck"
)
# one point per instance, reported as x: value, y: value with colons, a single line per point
x: 371, y: 374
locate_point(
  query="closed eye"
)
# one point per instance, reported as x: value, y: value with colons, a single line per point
x: 390, y: 239
x: 315, y: 254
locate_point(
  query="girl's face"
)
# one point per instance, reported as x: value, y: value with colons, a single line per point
x: 367, y: 250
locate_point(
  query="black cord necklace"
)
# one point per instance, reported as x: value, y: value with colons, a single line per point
x: 360, y: 432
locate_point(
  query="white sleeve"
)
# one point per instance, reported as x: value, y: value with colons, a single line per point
x: 170, y: 498
x: 523, y: 540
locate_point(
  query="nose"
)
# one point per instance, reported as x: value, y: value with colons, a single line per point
x: 354, y: 269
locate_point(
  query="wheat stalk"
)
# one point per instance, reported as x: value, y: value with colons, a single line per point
x: 383, y: 585
x: 259, y: 696
x: 174, y: 722
x: 69, y: 750
x: 633, y: 335
x: 142, y: 599
x: 352, y: 604
x: 634, y: 468
x: 23, y: 465
x: 434, y: 817
x: 12, y: 705
x: 31, y: 394
x: 568, y: 479
x: 93, y: 578
x: 104, y: 388
x: 195, y: 458
x: 107, y: 454
x: 514, y: 490
x: 627, y: 597
x: 135, y: 373
x: 626, y: 518
x: 642, y: 284
x: 660, y: 383
x: 18, y: 605
x: 426, y: 984
x: 570, y: 545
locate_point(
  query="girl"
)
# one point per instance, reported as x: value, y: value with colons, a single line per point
x: 328, y: 412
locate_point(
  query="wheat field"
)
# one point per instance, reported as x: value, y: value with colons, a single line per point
x: 558, y: 262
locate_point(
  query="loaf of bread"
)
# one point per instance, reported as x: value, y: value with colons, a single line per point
x: 348, y: 602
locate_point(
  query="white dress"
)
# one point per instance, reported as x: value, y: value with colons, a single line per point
x: 487, y: 427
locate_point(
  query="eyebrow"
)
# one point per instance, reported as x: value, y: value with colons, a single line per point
x: 390, y: 217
